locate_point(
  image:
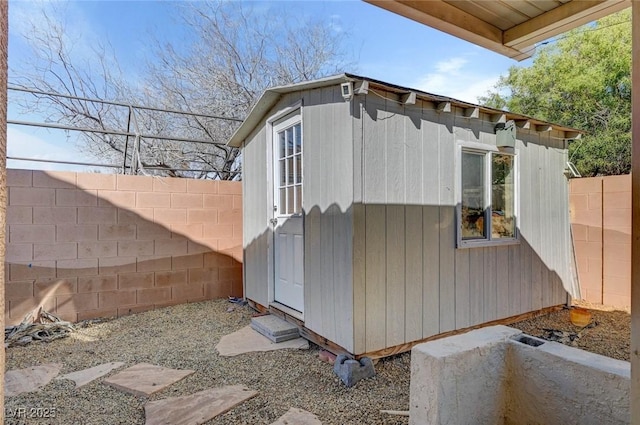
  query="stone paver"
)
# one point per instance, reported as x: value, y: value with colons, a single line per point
x: 247, y: 340
x: 29, y: 379
x: 145, y: 379
x: 83, y: 377
x: 274, y: 328
x: 295, y: 416
x: 197, y: 408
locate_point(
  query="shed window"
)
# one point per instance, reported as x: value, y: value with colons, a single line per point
x: 289, y: 161
x: 487, y: 204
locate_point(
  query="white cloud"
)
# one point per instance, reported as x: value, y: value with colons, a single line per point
x: 454, y: 78
x: 335, y: 24
x: 452, y: 65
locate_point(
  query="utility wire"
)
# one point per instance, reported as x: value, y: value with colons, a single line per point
x: 567, y: 35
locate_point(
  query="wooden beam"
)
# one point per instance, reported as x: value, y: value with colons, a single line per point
x: 408, y: 98
x: 444, y: 107
x: 634, y: 397
x: 386, y: 352
x: 561, y: 19
x: 402, y: 348
x: 498, y: 118
x: 523, y: 124
x: 540, y: 128
x: 471, y: 113
x: 572, y: 135
x: 445, y: 17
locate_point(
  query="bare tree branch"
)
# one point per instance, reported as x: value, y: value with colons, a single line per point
x: 234, y: 54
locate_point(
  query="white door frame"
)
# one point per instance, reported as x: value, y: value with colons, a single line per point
x: 273, y: 121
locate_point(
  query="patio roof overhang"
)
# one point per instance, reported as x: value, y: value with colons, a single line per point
x: 511, y: 28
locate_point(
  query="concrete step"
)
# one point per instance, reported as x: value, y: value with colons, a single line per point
x: 274, y: 328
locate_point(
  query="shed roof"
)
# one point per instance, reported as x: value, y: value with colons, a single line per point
x: 271, y: 96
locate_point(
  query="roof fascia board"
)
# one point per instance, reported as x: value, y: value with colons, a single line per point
x: 559, y: 20
x: 270, y: 97
x: 454, y: 21
x: 444, y: 104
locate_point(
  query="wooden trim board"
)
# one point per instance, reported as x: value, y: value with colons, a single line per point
x: 402, y: 348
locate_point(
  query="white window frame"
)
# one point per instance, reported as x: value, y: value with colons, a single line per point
x: 278, y: 126
x: 288, y: 117
x: 487, y: 150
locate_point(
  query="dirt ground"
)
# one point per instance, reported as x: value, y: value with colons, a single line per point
x: 184, y: 337
x: 608, y: 334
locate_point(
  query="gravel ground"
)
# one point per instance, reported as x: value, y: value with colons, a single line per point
x: 608, y: 334
x: 184, y: 337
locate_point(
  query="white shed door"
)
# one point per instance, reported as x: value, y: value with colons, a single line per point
x: 288, y: 222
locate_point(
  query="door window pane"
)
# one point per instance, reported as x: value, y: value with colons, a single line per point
x: 298, y: 160
x: 283, y: 172
x: 289, y: 170
x: 283, y: 145
x: 298, y: 138
x: 473, y: 224
x: 283, y: 201
x: 503, y: 222
x: 290, y: 201
x: 290, y: 141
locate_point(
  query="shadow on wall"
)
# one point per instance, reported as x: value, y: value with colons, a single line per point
x: 395, y: 274
x: 99, y: 245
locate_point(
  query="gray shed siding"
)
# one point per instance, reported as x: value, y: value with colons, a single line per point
x: 327, y: 200
x: 255, y: 217
x: 410, y: 281
x: 381, y: 264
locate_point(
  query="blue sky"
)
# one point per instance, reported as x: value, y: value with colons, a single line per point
x: 382, y: 45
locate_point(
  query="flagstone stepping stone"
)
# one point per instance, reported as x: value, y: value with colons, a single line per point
x: 197, y: 408
x: 247, y: 340
x: 29, y: 379
x: 145, y: 379
x: 295, y: 416
x: 83, y: 377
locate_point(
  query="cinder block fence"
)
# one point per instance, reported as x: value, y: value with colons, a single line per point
x: 87, y: 245
x: 601, y: 224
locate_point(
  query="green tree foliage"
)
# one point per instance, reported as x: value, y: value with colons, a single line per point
x: 583, y: 80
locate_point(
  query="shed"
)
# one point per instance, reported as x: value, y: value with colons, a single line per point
x: 377, y: 216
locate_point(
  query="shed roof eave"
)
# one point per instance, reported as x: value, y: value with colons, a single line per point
x: 271, y: 96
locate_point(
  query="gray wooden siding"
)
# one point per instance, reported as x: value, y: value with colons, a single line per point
x: 327, y: 201
x: 327, y: 204
x: 255, y: 218
x: 410, y: 282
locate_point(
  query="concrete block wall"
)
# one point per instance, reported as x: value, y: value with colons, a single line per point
x: 498, y: 375
x: 86, y: 245
x: 601, y: 224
